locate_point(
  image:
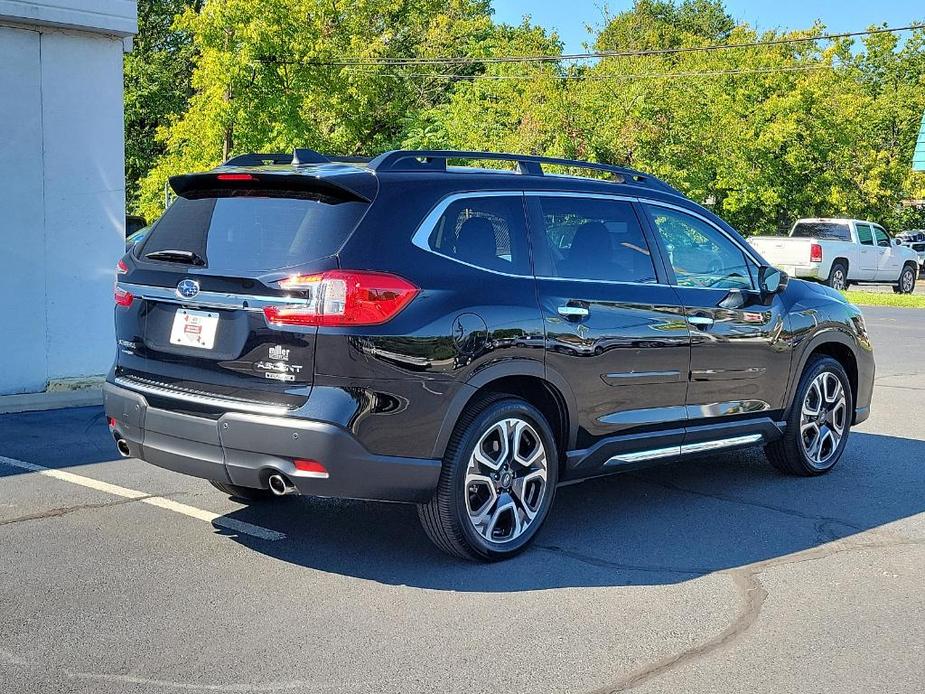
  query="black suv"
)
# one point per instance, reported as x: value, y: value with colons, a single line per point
x: 464, y: 339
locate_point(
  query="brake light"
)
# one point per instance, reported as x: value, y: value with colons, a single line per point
x: 343, y: 298
x: 123, y: 297
x: 815, y: 253
x: 236, y: 177
x: 121, y: 267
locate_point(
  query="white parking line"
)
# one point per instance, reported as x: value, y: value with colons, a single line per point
x: 159, y: 501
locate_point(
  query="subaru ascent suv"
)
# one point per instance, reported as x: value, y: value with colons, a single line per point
x: 464, y: 339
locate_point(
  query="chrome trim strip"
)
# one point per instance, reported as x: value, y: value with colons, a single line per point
x: 686, y: 449
x: 720, y: 443
x: 639, y: 456
x: 244, y: 302
x: 209, y: 401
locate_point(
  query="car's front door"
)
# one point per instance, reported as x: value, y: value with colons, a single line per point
x: 739, y: 355
x: 868, y: 253
x: 614, y: 326
x: 889, y: 262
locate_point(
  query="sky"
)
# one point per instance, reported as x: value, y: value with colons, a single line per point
x: 569, y: 17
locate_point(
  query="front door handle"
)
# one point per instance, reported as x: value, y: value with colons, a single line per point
x: 573, y: 311
x: 700, y: 321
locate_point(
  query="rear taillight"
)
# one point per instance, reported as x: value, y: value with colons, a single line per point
x: 343, y: 298
x: 815, y: 253
x: 311, y: 468
x: 122, y: 297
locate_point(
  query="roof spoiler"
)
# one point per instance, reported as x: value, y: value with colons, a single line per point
x: 336, y: 188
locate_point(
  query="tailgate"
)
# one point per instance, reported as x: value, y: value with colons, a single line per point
x: 203, y: 277
x: 783, y: 250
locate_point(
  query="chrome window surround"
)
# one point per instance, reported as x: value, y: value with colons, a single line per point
x: 245, y: 302
x: 421, y: 236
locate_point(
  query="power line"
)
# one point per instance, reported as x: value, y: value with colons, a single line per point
x: 604, y: 78
x: 467, y: 60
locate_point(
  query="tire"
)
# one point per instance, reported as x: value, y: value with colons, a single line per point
x: 793, y: 454
x: 838, y: 276
x: 906, y: 283
x: 489, y: 519
x: 243, y: 493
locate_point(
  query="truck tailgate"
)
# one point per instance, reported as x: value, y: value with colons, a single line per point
x: 783, y: 250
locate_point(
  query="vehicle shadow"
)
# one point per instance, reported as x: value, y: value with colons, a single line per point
x: 56, y: 438
x: 659, y: 526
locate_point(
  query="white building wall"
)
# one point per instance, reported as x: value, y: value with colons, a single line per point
x: 62, y: 204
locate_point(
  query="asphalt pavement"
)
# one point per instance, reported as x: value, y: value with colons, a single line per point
x: 712, y: 575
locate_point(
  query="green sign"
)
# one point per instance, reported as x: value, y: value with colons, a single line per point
x: 918, y: 159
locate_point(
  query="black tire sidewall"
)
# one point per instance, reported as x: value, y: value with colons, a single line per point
x: 815, y: 369
x: 504, y: 409
x: 844, y: 270
x: 909, y: 270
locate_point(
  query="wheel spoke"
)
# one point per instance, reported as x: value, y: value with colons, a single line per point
x: 505, y: 482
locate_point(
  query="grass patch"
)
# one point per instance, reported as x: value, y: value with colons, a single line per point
x: 883, y: 299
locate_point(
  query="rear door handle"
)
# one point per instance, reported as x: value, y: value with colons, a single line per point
x: 700, y: 321
x: 573, y: 311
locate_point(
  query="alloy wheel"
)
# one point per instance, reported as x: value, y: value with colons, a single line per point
x: 823, y: 419
x: 838, y: 279
x: 505, y: 482
x: 908, y: 281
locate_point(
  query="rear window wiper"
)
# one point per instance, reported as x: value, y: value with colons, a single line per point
x: 170, y: 254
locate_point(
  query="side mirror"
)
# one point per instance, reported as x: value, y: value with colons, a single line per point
x: 770, y: 279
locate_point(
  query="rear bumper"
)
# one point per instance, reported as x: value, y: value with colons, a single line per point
x: 245, y: 449
x: 805, y: 272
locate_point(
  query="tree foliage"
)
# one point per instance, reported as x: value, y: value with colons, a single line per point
x: 763, y: 134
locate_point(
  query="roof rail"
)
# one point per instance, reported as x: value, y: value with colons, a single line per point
x: 436, y: 160
x: 299, y: 157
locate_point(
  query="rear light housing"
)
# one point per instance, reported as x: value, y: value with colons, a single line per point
x: 343, y: 298
x: 815, y: 253
x: 121, y: 296
x: 311, y: 468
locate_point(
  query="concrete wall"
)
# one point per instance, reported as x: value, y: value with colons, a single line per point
x: 62, y: 208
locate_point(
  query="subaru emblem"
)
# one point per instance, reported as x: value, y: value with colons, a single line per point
x: 187, y: 289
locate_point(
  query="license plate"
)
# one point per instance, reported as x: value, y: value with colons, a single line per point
x: 194, y: 329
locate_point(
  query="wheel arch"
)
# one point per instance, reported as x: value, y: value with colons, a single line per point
x: 547, y: 391
x: 831, y: 343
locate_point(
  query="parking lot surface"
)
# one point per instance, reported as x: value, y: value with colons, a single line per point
x: 712, y: 575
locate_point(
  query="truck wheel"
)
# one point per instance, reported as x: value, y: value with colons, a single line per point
x: 906, y: 284
x: 819, y: 421
x: 242, y: 493
x: 497, y: 484
x: 838, y: 276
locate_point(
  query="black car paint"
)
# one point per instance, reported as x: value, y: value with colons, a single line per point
x: 634, y: 375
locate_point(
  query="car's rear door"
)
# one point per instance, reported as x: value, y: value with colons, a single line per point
x: 614, y: 327
x: 220, y: 255
x: 739, y: 357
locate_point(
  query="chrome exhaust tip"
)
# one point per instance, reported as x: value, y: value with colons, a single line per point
x: 122, y: 446
x: 280, y: 485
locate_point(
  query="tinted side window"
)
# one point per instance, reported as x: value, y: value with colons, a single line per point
x: 701, y: 255
x: 486, y: 232
x: 595, y: 239
x: 882, y: 239
x: 864, y: 235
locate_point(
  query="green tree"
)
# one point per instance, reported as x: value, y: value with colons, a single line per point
x: 157, y: 85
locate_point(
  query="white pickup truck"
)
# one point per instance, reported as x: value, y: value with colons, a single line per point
x: 841, y: 252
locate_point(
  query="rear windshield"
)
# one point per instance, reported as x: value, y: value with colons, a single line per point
x: 836, y: 231
x: 244, y: 230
